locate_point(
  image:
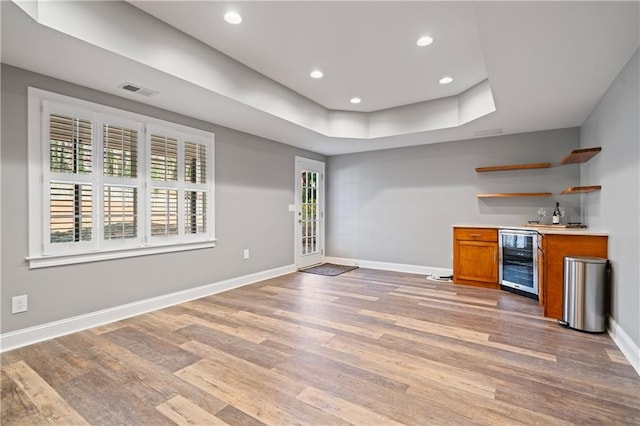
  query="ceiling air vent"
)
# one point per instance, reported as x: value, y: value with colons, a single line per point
x: 137, y: 89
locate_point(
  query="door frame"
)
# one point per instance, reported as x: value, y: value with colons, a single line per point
x: 297, y: 237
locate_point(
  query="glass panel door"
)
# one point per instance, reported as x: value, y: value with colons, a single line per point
x: 309, y: 179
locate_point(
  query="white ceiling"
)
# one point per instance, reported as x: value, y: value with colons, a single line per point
x: 547, y: 63
x: 364, y: 49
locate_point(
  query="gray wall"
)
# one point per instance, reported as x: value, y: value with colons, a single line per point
x: 398, y: 205
x: 254, y: 185
x: 613, y: 125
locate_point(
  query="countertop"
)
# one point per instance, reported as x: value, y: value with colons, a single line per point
x: 543, y: 231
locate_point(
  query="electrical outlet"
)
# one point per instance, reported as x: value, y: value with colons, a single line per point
x: 246, y: 253
x: 19, y: 304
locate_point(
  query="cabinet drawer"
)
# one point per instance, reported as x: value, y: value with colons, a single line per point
x: 476, y: 234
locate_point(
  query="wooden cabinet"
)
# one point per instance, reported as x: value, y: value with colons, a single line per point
x: 555, y: 247
x: 475, y: 256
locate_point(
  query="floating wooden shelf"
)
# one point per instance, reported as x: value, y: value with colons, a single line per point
x: 580, y: 155
x: 581, y: 189
x: 574, y: 157
x: 515, y: 194
x: 513, y: 167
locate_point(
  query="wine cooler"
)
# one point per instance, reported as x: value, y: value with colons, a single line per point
x: 518, y: 268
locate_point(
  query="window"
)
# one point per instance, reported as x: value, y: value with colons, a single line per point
x: 106, y: 183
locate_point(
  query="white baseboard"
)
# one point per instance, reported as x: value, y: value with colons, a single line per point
x: 386, y: 266
x: 28, y: 336
x: 627, y: 346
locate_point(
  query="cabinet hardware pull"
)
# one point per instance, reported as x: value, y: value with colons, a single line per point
x: 475, y: 235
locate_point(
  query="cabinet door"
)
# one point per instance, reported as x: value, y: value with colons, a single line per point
x: 477, y: 261
x: 556, y: 247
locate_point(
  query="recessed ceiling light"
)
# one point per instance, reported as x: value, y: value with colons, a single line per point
x: 233, y: 18
x: 316, y: 74
x: 424, y: 41
x: 445, y: 80
x: 355, y: 100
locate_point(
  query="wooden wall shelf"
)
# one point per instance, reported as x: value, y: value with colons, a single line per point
x: 574, y: 157
x: 581, y: 189
x: 580, y: 155
x: 515, y: 194
x: 513, y: 167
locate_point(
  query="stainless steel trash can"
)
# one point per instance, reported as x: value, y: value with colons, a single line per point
x: 584, y: 306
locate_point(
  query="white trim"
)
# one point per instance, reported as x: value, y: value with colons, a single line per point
x: 70, y: 259
x: 386, y: 266
x: 626, y: 345
x: 39, y: 333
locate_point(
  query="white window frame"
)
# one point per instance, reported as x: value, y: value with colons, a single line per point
x: 42, y: 253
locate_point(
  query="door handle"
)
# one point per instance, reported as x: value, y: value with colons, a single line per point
x: 299, y: 220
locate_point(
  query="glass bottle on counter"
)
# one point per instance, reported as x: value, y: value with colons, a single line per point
x: 556, y: 215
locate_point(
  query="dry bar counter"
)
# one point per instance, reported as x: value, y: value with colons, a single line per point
x: 477, y: 258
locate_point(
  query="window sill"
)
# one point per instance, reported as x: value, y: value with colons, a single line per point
x: 37, y: 262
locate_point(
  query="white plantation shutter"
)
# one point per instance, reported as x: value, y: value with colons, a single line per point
x: 120, y: 151
x: 164, y: 158
x: 195, y: 196
x: 70, y: 144
x: 195, y: 162
x: 195, y: 212
x: 164, y: 212
x: 120, y: 195
x: 120, y: 212
x: 68, y: 179
x: 71, y: 208
x: 112, y: 182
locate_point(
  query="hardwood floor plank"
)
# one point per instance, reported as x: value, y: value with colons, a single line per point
x: 49, y: 407
x: 457, y: 333
x: 184, y: 412
x: 257, y: 392
x: 439, y: 294
x: 616, y: 356
x: 345, y: 410
x: 492, y: 363
x: 247, y: 333
x: 104, y: 400
x: 402, y: 366
x: 302, y: 333
x: 235, y: 417
x: 566, y: 404
x: 429, y: 327
x: 371, y: 391
x: 249, y: 351
x: 16, y: 405
x: 157, y: 351
x: 366, y: 347
x: 144, y: 379
x: 299, y: 293
x: 336, y: 367
x: 62, y: 363
x: 374, y: 334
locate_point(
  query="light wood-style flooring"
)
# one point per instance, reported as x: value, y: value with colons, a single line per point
x: 364, y: 348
